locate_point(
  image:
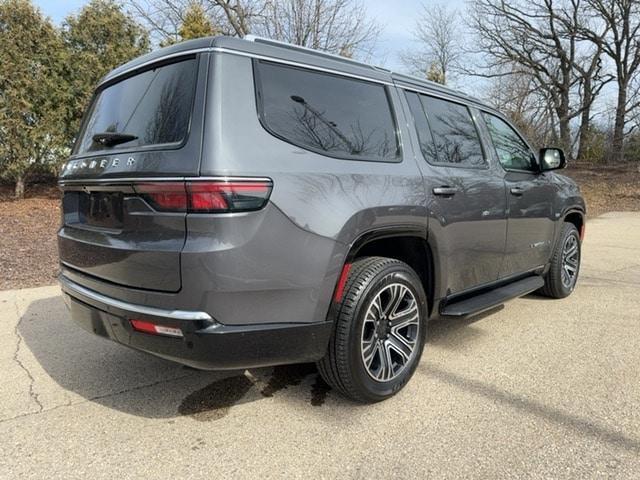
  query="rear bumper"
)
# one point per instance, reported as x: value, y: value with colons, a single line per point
x: 206, y: 344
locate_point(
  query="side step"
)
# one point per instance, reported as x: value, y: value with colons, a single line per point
x: 492, y: 298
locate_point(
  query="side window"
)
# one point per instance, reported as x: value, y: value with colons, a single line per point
x: 325, y: 113
x: 513, y: 153
x: 454, y: 132
x: 425, y: 138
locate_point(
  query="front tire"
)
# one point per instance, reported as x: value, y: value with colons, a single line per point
x: 562, y: 276
x: 379, y: 330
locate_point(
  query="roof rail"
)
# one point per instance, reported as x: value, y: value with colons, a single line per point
x: 435, y: 85
x: 412, y: 79
x: 333, y: 56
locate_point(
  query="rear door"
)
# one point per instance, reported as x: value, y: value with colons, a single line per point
x: 531, y: 221
x: 467, y: 196
x: 140, y: 138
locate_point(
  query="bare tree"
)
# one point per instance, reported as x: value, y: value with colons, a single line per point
x: 622, y: 45
x: 239, y: 13
x: 519, y: 97
x: 587, y: 63
x: 591, y: 81
x: 438, y: 34
x: 164, y: 18
x: 632, y: 122
x: 529, y: 38
x: 336, y: 26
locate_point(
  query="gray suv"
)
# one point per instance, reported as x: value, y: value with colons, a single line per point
x: 242, y: 203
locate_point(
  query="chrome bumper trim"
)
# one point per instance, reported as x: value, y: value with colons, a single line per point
x: 70, y: 288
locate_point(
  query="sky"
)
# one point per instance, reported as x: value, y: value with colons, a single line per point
x: 397, y: 18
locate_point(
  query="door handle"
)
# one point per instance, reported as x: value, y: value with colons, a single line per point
x: 517, y: 191
x: 444, y: 191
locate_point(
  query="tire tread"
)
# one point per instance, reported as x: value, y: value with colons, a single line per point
x: 553, y: 287
x: 334, y: 366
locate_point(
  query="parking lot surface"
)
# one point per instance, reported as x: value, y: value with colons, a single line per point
x: 539, y: 389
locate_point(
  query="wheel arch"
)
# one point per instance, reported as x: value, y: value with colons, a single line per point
x: 408, y: 244
x: 576, y: 217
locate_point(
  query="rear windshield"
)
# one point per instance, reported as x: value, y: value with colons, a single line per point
x: 150, y: 108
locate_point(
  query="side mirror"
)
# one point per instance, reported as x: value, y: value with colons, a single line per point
x: 552, y: 159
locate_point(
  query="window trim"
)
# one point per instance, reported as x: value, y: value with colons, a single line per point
x: 474, y: 121
x: 520, y: 136
x: 121, y: 78
x: 258, y: 89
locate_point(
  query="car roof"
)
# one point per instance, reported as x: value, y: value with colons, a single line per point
x: 271, y: 49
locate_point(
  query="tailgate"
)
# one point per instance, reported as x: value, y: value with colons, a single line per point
x: 112, y: 233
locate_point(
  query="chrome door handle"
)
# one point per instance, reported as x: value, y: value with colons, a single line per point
x: 517, y: 191
x: 445, y: 191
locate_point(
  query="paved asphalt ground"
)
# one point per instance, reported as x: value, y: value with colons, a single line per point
x: 539, y: 389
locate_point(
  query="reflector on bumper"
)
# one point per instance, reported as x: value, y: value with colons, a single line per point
x: 155, y: 329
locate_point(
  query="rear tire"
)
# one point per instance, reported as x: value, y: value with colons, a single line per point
x: 560, y: 280
x: 379, y: 330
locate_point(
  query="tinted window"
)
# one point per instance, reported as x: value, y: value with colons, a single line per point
x: 454, y: 132
x: 513, y: 152
x: 326, y: 113
x: 154, y: 106
x: 422, y: 127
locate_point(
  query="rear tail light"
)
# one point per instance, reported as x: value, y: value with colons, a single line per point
x: 212, y: 196
x: 164, y: 196
x: 228, y: 196
x: 155, y: 329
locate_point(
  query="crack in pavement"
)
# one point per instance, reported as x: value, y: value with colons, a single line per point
x: 98, y: 397
x: 32, y: 394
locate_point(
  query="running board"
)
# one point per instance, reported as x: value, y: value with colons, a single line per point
x: 492, y: 298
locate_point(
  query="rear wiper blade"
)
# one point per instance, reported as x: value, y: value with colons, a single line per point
x: 113, y: 138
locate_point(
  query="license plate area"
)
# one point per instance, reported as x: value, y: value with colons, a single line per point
x: 101, y: 209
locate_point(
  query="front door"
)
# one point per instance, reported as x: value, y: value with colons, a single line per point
x: 531, y: 222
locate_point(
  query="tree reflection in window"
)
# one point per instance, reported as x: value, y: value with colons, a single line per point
x: 513, y: 153
x: 154, y: 106
x: 446, y: 131
x: 456, y: 138
x: 327, y: 113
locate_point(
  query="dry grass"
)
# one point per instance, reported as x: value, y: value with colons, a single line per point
x: 608, y: 189
x: 29, y: 257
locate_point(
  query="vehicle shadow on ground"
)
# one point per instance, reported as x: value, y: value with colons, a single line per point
x: 451, y: 332
x: 90, y: 368
x: 531, y: 407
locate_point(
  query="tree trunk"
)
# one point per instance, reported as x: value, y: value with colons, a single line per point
x: 618, y: 128
x: 585, y: 119
x: 583, y: 135
x: 565, y: 138
x: 19, y: 190
x: 564, y: 125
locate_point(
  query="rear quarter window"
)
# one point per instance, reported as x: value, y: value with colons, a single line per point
x: 327, y: 114
x: 154, y: 106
